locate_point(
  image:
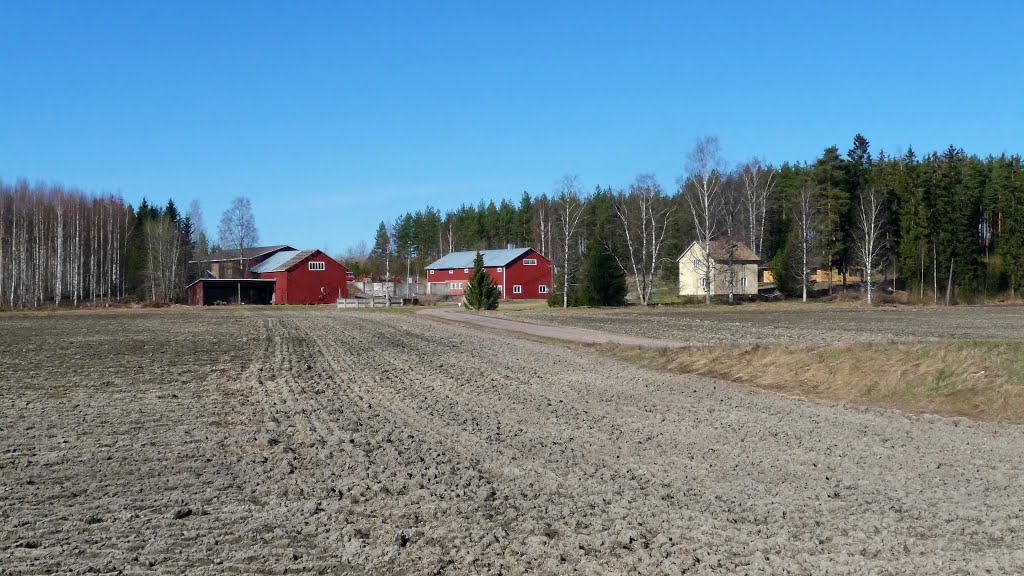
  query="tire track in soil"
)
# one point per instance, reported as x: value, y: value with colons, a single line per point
x: 593, y: 466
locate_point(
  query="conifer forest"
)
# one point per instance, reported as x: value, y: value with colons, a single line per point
x: 943, y: 219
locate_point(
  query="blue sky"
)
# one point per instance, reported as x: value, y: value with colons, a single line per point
x: 333, y: 116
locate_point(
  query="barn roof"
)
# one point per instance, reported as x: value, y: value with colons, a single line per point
x: 282, y: 261
x: 248, y: 253
x: 232, y: 281
x: 492, y: 258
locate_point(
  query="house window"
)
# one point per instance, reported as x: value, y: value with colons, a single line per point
x: 318, y: 266
x: 466, y: 270
x: 499, y: 269
x: 696, y: 264
x: 499, y: 287
x: 743, y: 281
x: 431, y: 272
x: 517, y: 289
x: 451, y: 271
x: 703, y: 282
x: 529, y: 262
x: 456, y: 285
x: 542, y: 289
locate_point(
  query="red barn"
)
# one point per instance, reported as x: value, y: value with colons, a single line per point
x: 519, y: 273
x: 304, y: 277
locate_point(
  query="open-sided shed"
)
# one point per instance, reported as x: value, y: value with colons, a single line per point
x: 210, y: 291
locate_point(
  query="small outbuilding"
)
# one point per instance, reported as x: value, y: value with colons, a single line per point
x: 304, y: 277
x: 519, y: 273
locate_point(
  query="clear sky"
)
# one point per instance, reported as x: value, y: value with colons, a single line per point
x: 334, y: 116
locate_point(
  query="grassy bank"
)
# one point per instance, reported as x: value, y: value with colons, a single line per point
x: 977, y: 379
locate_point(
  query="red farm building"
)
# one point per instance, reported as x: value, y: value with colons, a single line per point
x: 304, y: 277
x: 519, y: 273
x: 285, y: 277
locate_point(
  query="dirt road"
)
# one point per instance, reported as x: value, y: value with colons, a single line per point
x: 323, y: 442
x: 556, y: 332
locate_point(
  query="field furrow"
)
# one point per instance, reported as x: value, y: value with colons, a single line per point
x: 316, y: 441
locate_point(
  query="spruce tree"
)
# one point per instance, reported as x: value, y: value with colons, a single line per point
x: 603, y: 284
x: 480, y: 293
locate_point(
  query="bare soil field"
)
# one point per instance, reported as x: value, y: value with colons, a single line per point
x: 794, y: 323
x: 259, y: 441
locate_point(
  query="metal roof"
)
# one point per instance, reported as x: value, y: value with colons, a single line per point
x: 282, y: 261
x: 248, y: 253
x: 492, y: 258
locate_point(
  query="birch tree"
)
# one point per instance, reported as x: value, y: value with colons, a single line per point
x: 570, y: 211
x: 164, y: 243
x: 758, y: 183
x: 238, y: 230
x: 869, y: 242
x: 644, y: 216
x: 703, y: 192
x: 804, y: 219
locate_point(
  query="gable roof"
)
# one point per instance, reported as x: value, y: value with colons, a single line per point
x: 282, y: 261
x: 741, y: 253
x: 247, y: 254
x: 492, y: 258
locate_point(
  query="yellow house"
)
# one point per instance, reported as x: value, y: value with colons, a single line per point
x: 742, y: 274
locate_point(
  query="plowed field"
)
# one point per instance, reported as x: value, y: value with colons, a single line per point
x: 316, y: 441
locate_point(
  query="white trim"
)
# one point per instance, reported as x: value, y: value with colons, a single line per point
x: 517, y: 288
x: 543, y: 289
x: 317, y: 265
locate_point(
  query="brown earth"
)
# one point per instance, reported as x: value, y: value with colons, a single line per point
x: 789, y: 323
x: 317, y: 441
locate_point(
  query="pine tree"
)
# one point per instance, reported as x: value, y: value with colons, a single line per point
x: 603, y: 284
x: 480, y: 293
x: 834, y: 202
x: 380, y: 256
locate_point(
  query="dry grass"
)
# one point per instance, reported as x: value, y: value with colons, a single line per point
x: 978, y: 379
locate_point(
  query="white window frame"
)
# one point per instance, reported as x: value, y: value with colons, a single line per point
x: 499, y: 288
x: 696, y: 264
x: 499, y: 268
x: 431, y: 272
x: 743, y: 281
x: 451, y: 271
x: 317, y: 265
x: 543, y: 288
x: 465, y: 270
x: 529, y: 261
x: 517, y: 288
x: 703, y: 282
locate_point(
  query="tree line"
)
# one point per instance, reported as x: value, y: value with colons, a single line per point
x: 63, y: 246
x: 946, y: 224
